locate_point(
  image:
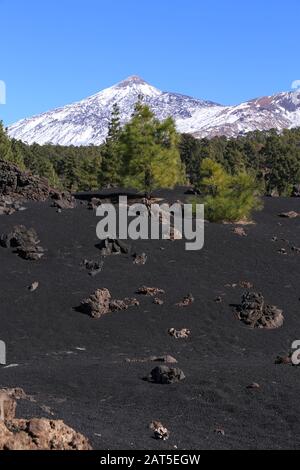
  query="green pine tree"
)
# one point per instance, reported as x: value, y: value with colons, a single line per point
x: 150, y: 155
x: 9, y: 152
x: 111, y: 152
x: 227, y: 197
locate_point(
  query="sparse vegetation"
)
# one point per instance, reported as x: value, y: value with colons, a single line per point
x: 227, y: 197
x: 147, y: 153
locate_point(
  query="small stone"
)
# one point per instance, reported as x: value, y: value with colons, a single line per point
x: 158, y: 301
x: 139, y: 259
x: 289, y: 215
x: 187, y: 300
x: 253, y: 386
x: 239, y: 231
x: 33, y: 286
x: 166, y: 359
x: 179, y: 334
x: 283, y: 359
x: 246, y: 285
x: 159, y: 430
x: 63, y: 200
x: 150, y: 291
x: 166, y: 375
x: 220, y: 431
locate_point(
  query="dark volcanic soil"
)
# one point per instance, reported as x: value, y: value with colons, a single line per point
x: 76, y: 367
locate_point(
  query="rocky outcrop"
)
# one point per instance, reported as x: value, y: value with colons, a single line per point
x: 101, y: 302
x: 63, y: 200
x: 40, y: 434
x: 20, y: 185
x: 254, y: 312
x: 8, y: 206
x: 17, y: 185
x: 35, y: 433
x: 25, y: 241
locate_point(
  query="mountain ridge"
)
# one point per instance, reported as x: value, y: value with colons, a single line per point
x: 85, y: 122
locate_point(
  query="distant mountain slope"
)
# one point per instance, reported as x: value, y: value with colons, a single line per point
x: 86, y: 121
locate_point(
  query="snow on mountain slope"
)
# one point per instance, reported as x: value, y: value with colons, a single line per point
x: 86, y: 121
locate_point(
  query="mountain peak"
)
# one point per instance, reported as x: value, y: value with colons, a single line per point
x: 86, y: 122
x: 132, y: 80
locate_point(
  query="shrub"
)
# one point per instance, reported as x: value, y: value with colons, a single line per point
x: 227, y: 197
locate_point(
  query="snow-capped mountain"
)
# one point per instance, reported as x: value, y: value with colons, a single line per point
x: 86, y: 121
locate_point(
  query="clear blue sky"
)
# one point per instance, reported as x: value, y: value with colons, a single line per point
x: 54, y: 52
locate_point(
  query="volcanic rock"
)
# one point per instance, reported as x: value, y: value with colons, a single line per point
x: 7, y: 406
x: 159, y: 430
x: 253, y: 386
x: 179, y: 334
x: 166, y: 359
x: 93, y: 267
x: 94, y: 203
x: 63, y: 200
x: 239, y: 231
x: 97, y: 304
x: 40, y: 434
x: 284, y: 359
x: 25, y: 241
x: 22, y: 184
x: 246, y: 284
x: 100, y: 303
x: 296, y: 190
x: 166, y: 375
x: 150, y: 291
x: 139, y: 259
x: 33, y: 286
x: 289, y: 215
x: 254, y: 312
x: 220, y: 431
x: 124, y: 304
x: 111, y: 246
x: 9, y: 207
x: 187, y: 300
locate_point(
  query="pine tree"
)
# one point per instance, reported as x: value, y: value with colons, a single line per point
x: 8, y: 151
x: 227, y: 197
x: 150, y: 155
x: 111, y: 153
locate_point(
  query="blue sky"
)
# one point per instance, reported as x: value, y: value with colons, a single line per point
x: 55, y: 52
